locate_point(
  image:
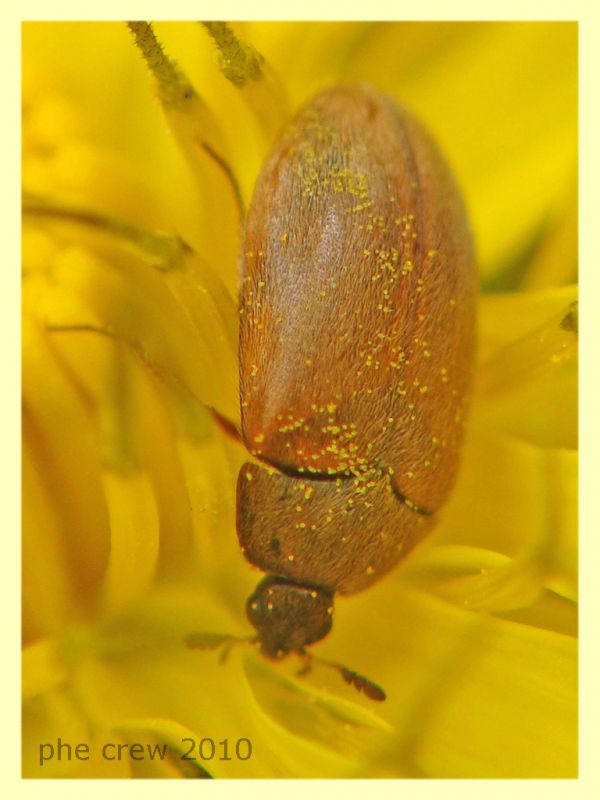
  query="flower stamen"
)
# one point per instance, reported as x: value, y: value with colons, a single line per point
x: 190, y: 119
x: 244, y: 67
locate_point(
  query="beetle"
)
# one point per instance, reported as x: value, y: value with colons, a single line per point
x: 356, y: 347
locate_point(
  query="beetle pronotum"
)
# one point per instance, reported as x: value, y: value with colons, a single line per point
x: 357, y: 330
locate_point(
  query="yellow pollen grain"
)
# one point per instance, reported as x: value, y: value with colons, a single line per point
x: 259, y: 438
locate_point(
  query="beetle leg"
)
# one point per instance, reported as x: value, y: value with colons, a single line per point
x: 227, y: 426
x: 214, y: 641
x: 306, y: 666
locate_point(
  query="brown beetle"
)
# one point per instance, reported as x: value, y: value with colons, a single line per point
x: 357, y: 331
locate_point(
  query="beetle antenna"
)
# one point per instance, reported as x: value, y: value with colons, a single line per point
x: 360, y: 682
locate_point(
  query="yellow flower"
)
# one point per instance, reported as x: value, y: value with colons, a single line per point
x: 130, y: 241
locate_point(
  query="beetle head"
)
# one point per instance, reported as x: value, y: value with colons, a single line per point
x: 288, y: 616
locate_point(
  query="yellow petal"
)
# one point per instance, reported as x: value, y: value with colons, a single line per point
x: 134, y: 303
x: 468, y: 695
x: 554, y: 262
x: 527, y: 377
x: 134, y: 538
x: 48, y: 593
x: 63, y: 445
x: 48, y: 717
x: 42, y: 668
x: 528, y: 510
